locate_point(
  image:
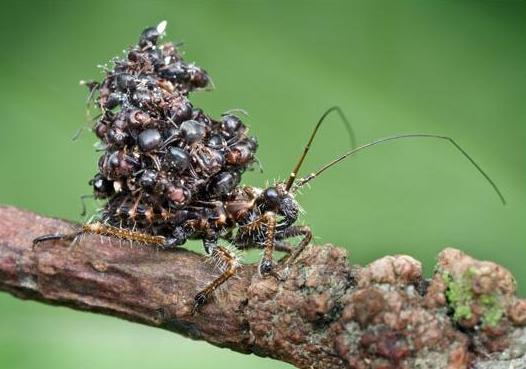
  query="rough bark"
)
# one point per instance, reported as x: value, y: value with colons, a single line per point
x: 325, y: 314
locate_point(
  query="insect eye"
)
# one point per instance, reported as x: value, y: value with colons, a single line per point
x: 271, y: 196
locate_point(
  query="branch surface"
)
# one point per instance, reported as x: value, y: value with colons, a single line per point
x: 326, y: 314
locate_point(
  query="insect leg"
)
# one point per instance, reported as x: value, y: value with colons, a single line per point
x: 295, y: 231
x: 231, y: 265
x: 210, y: 244
x: 283, y: 247
x: 106, y: 230
x: 265, y: 266
x: 252, y: 231
x: 55, y: 237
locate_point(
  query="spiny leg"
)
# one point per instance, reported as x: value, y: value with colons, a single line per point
x: 295, y: 231
x: 268, y: 219
x: 231, y: 265
x: 266, y: 264
x: 106, y: 230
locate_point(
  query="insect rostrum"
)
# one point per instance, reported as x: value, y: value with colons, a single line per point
x: 169, y: 172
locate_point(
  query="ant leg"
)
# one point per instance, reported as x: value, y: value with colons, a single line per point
x: 106, y: 230
x: 82, y: 200
x: 295, y: 231
x: 231, y: 265
x: 210, y: 244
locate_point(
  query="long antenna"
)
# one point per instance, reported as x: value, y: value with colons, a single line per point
x: 350, y: 131
x: 310, y: 177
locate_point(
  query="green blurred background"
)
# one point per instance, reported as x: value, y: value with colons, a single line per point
x: 452, y: 67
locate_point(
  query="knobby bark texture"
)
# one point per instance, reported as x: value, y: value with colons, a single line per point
x: 327, y: 313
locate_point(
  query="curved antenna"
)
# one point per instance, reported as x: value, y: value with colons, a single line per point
x: 83, y: 202
x: 236, y: 110
x: 350, y: 131
x: 310, y: 177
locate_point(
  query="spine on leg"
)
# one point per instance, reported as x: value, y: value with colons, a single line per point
x: 106, y: 230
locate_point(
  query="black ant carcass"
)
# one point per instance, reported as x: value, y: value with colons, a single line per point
x: 169, y: 172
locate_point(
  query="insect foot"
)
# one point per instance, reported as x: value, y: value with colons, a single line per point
x: 267, y: 269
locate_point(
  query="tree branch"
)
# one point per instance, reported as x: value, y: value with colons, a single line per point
x: 326, y: 314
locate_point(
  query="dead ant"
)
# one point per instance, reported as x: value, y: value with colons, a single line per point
x: 171, y: 173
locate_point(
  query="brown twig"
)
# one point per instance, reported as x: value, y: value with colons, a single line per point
x: 326, y: 314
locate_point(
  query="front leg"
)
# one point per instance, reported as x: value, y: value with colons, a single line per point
x: 295, y: 231
x: 266, y: 265
x: 250, y: 236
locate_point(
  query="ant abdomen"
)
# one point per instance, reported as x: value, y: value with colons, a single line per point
x: 223, y: 183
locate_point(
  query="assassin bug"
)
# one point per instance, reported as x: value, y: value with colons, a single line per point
x: 171, y: 173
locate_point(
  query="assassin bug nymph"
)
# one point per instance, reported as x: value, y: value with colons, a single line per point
x: 171, y: 173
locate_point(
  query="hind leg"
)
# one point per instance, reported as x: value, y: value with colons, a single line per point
x: 56, y: 236
x: 225, y: 257
x: 107, y: 230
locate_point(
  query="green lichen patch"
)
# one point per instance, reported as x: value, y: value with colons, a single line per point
x: 464, y: 301
x: 493, y: 310
x: 459, y: 296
